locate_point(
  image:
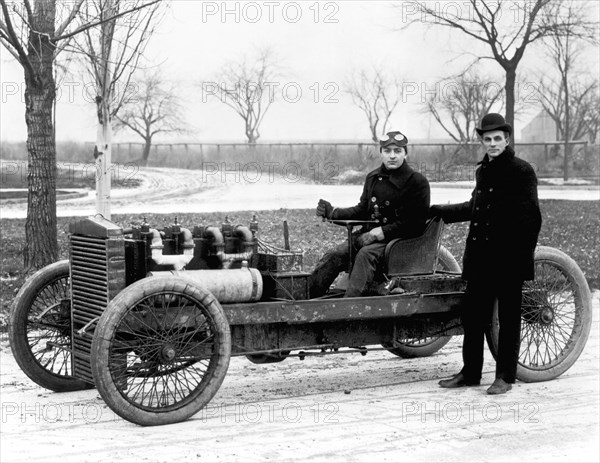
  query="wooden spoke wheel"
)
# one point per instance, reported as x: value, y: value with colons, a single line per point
x: 556, y: 317
x: 424, y: 347
x: 40, y: 329
x: 161, y: 350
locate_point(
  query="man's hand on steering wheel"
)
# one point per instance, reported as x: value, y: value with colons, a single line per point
x: 324, y: 209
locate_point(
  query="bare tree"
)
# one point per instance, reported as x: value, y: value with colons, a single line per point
x: 507, y: 28
x: 585, y: 104
x: 35, y: 35
x: 583, y: 97
x: 154, y: 110
x: 377, y: 95
x: 28, y: 34
x: 112, y: 54
x: 590, y: 110
x: 458, y: 104
x: 248, y: 87
x: 564, y: 48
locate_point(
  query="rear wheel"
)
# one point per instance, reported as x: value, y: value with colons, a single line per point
x: 424, y: 347
x: 556, y: 317
x: 40, y: 329
x: 161, y: 351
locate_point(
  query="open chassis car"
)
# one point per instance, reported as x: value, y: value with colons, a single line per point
x: 157, y: 342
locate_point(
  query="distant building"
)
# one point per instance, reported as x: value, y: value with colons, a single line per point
x: 541, y: 129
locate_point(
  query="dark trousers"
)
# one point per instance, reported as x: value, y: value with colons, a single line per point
x: 366, y: 261
x: 476, y: 317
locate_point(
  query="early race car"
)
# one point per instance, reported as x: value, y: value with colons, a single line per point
x: 151, y: 317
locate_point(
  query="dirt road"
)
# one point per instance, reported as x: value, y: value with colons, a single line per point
x: 334, y: 408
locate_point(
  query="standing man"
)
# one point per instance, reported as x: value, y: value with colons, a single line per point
x: 505, y: 222
x: 396, y: 195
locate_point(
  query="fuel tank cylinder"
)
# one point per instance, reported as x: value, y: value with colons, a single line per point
x: 228, y: 286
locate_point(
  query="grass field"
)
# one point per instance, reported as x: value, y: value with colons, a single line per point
x: 571, y: 226
x: 14, y: 175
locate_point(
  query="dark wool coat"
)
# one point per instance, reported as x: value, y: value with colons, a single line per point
x: 402, y: 196
x: 505, y: 219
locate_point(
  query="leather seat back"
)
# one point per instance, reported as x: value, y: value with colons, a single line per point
x: 415, y: 256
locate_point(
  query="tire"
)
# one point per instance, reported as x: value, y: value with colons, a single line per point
x: 40, y: 329
x: 556, y: 317
x: 425, y: 347
x: 447, y: 262
x: 160, y: 351
x: 261, y: 359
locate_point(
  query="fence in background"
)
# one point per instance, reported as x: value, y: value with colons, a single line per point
x: 323, y: 161
x: 328, y: 162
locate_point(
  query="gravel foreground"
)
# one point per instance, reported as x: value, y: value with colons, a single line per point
x: 332, y: 408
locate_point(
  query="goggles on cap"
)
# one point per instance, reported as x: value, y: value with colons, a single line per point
x: 387, y: 139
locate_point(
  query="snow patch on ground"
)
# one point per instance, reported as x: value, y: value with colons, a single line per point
x: 169, y: 191
x: 560, y: 181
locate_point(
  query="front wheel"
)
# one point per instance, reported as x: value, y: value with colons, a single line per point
x: 424, y: 347
x: 40, y: 329
x: 556, y: 317
x: 161, y: 350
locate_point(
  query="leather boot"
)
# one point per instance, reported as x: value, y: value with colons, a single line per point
x: 458, y: 380
x: 499, y: 386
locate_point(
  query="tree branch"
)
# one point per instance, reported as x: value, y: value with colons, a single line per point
x: 74, y: 12
x: 4, y: 41
x: 15, y: 42
x: 102, y: 21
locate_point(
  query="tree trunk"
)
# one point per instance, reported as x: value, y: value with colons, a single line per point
x: 567, y: 130
x: 103, y: 162
x: 374, y: 135
x: 104, y: 135
x: 146, y: 152
x: 41, y: 246
x: 511, y: 77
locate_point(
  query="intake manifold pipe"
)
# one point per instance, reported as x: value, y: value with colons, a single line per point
x: 246, y: 235
x: 188, y: 242
x: 178, y: 261
x: 227, y: 259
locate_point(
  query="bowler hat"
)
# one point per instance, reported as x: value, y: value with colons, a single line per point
x: 393, y: 138
x: 494, y: 121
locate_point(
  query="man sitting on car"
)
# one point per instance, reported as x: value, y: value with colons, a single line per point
x: 396, y: 197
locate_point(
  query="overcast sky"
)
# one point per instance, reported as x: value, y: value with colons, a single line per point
x: 318, y: 45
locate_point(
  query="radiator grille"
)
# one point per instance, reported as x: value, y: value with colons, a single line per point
x: 97, y: 276
x: 89, y: 292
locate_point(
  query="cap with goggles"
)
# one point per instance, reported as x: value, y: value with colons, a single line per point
x: 393, y: 138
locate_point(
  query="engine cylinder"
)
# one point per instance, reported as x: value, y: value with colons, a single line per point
x: 228, y: 286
